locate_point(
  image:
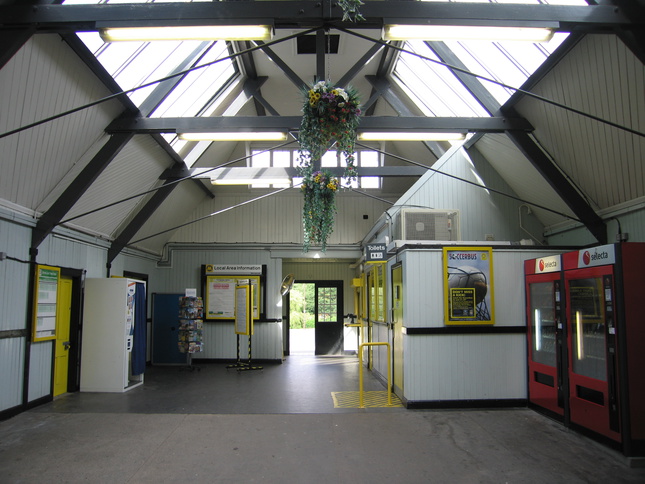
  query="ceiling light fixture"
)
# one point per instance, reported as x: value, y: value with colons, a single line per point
x: 197, y: 32
x: 463, y: 32
x: 409, y: 136
x: 250, y: 181
x: 235, y: 136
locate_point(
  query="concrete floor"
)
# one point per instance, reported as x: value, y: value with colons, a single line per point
x: 279, y: 425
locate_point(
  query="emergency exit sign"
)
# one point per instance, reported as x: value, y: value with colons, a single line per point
x: 375, y: 253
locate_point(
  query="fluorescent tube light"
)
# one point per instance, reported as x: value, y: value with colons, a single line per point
x: 235, y: 136
x: 250, y: 181
x: 197, y: 32
x: 459, y: 32
x: 409, y: 136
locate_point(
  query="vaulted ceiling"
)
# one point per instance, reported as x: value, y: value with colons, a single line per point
x: 66, y: 116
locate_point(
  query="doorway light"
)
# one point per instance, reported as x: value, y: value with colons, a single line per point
x: 463, y: 32
x: 235, y: 136
x: 409, y: 136
x: 197, y: 32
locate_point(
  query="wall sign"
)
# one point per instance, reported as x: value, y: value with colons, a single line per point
x: 375, y: 253
x: 45, y: 303
x: 468, y: 285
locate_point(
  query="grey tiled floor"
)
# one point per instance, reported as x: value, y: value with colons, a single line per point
x: 278, y: 425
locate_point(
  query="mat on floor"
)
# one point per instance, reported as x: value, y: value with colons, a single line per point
x: 371, y: 399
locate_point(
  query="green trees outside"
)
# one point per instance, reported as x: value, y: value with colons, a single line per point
x: 302, y: 306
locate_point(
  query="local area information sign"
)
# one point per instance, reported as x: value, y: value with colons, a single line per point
x: 468, y: 285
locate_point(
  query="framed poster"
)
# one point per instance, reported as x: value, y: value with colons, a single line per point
x: 219, y: 300
x: 243, y: 307
x: 45, y: 299
x: 468, y: 286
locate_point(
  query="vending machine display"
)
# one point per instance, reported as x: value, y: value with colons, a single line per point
x: 590, y: 374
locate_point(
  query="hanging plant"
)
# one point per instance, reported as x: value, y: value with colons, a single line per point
x: 319, y: 188
x: 350, y: 10
x: 330, y: 114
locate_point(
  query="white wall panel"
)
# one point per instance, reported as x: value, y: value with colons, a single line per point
x: 43, y: 79
x: 600, y: 76
x: 219, y: 339
x: 12, y: 358
x: 127, y: 174
x: 274, y: 220
x: 483, y: 211
x: 465, y: 367
x: 40, y: 370
x: 14, y: 241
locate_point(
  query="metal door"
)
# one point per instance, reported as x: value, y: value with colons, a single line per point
x: 63, y: 344
x: 165, y: 330
x: 329, y: 318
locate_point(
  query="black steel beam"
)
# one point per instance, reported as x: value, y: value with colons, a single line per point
x: 11, y: 41
x: 243, y: 172
x: 304, y: 14
x: 356, y: 68
x: 292, y: 123
x: 78, y: 187
x: 291, y: 75
x: 471, y: 83
x: 81, y: 50
x: 140, y: 219
x: 561, y: 185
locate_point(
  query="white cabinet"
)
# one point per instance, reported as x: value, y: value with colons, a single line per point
x: 108, y: 322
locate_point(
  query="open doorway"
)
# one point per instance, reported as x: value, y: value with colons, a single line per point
x: 315, y: 318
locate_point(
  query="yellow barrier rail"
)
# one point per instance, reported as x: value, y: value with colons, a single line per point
x: 360, y: 373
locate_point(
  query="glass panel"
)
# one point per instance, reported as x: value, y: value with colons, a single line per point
x: 327, y: 304
x: 381, y: 294
x: 587, y: 326
x: 543, y: 323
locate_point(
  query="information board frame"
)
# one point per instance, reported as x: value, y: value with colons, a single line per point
x: 47, y: 280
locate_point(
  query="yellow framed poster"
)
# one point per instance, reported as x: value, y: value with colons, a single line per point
x: 243, y: 307
x: 468, y: 286
x: 219, y: 300
x: 45, y: 298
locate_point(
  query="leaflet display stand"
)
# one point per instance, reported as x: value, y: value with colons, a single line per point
x: 191, y: 312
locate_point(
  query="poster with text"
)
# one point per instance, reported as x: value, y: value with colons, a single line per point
x: 468, y: 286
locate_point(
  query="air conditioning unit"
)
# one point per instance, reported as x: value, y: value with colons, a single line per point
x: 426, y: 224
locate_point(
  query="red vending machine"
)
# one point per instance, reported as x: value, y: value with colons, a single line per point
x: 547, y: 385
x: 605, y: 328
x: 586, y: 341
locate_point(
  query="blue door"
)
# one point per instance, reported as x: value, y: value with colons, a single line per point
x: 165, y: 330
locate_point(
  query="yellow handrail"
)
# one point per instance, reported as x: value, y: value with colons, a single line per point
x: 360, y: 373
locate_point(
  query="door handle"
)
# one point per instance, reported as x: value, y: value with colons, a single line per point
x: 67, y: 345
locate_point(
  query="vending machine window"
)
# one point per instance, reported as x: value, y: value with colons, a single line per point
x: 587, y: 320
x: 543, y: 327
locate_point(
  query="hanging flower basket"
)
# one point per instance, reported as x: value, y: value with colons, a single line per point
x: 319, y: 188
x: 330, y: 114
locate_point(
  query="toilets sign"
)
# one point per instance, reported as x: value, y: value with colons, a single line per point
x: 375, y: 253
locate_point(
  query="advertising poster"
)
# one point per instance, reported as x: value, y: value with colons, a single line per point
x: 468, y: 285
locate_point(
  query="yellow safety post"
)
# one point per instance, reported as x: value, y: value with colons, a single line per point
x: 360, y: 373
